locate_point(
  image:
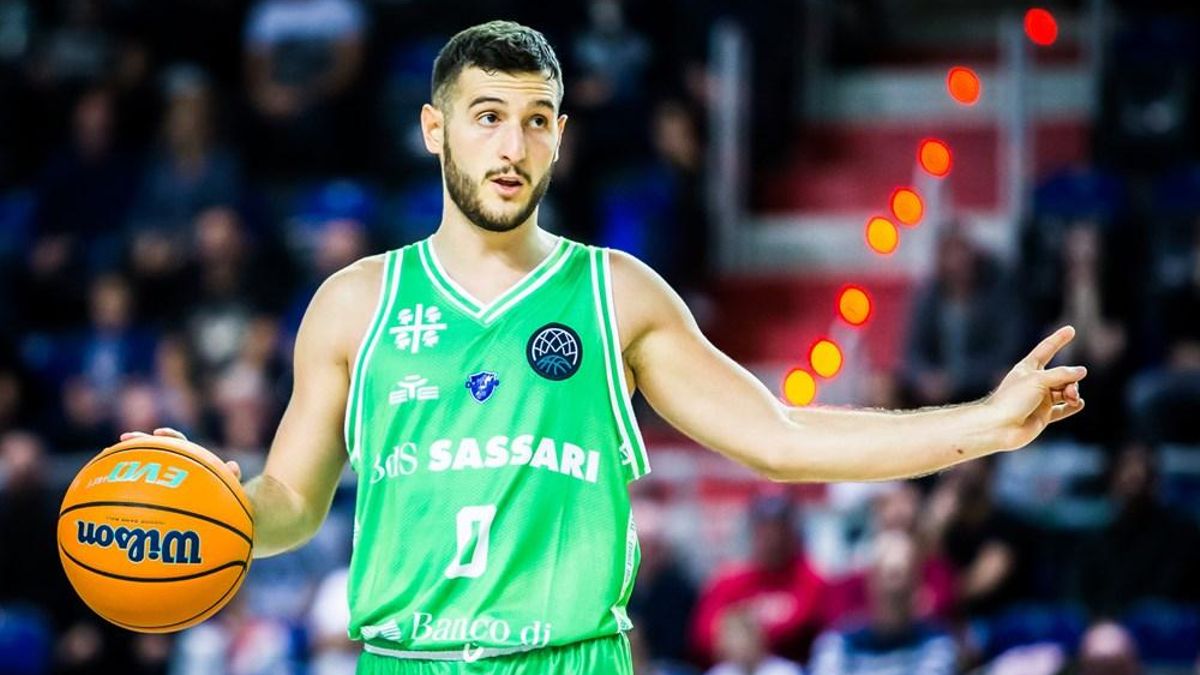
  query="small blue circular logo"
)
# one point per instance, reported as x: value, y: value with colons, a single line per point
x: 554, y: 351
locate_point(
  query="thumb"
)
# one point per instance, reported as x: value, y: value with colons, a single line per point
x: 235, y: 468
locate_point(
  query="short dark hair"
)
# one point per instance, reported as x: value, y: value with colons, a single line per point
x: 504, y: 46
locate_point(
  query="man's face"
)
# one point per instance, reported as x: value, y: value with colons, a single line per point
x: 772, y: 543
x: 893, y: 574
x: 500, y: 139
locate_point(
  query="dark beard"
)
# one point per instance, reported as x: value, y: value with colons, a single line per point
x: 465, y: 195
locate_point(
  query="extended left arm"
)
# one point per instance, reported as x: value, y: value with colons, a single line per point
x: 715, y: 401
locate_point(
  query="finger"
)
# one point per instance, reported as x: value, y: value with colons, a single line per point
x: 1064, y: 394
x: 168, y: 431
x: 1062, y: 412
x: 233, y: 466
x: 1060, y: 377
x: 1047, y: 348
x: 131, y: 434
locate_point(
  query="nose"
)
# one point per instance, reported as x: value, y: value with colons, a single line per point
x: 512, y: 144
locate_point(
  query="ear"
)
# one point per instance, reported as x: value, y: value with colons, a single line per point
x: 562, y: 128
x: 433, y: 128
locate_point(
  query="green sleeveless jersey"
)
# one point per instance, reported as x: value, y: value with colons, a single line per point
x: 493, y: 445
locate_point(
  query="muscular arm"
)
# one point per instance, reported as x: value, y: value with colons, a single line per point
x: 292, y: 496
x: 715, y: 401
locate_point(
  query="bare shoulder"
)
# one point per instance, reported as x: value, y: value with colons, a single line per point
x: 342, y: 308
x: 356, y: 283
x: 643, y: 300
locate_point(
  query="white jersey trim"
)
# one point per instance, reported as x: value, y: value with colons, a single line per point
x: 623, y: 392
x: 608, y: 363
x: 453, y: 655
x: 491, y: 315
x: 389, y: 284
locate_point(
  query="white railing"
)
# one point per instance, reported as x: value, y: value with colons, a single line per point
x: 729, y: 138
x: 1015, y: 95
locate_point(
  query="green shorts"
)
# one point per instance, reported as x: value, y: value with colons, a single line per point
x: 601, y: 656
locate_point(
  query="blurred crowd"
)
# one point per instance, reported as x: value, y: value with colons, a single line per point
x: 176, y: 179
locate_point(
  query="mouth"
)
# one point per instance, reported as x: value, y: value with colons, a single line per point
x: 508, y: 185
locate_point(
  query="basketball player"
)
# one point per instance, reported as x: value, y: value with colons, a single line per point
x: 478, y: 382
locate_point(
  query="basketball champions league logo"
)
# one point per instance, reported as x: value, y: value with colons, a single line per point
x: 554, y: 351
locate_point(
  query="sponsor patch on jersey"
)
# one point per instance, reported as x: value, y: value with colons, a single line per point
x: 554, y: 351
x: 412, y: 388
x: 419, y: 327
x: 482, y: 385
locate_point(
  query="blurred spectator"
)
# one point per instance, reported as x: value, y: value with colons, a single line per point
x: 644, y: 664
x: 174, y: 377
x: 1107, y: 649
x: 31, y: 572
x: 157, y: 268
x: 79, y: 51
x: 1094, y: 296
x: 87, y: 422
x: 1147, y: 92
x: 114, y: 347
x: 82, y: 197
x: 97, y: 363
x: 230, y: 289
x: 304, y: 57
x: 339, y: 244
x: 334, y: 653
x: 90, y: 43
x: 138, y: 408
x: 1163, y: 400
x: 612, y: 60
x: 236, y: 642
x: 895, y: 510
x: 328, y: 232
x: 742, y: 648
x: 1147, y: 551
x: 16, y: 25
x: 16, y: 30
x: 777, y: 586
x: 205, y: 32
x: 677, y: 142
x: 962, y: 328
x: 248, y: 394
x: 893, y: 641
x: 656, y: 211
x: 330, y: 225
x: 14, y: 403
x: 663, y: 595
x: 10, y: 399
x: 986, y: 545
x: 188, y: 171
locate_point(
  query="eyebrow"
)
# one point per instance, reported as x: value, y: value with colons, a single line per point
x: 539, y: 103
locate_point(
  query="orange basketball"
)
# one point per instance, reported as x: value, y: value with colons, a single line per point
x: 155, y: 534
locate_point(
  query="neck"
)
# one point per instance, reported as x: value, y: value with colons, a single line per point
x: 890, y: 617
x: 458, y: 239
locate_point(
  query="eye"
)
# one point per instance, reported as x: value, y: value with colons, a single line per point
x: 488, y: 119
x: 539, y: 121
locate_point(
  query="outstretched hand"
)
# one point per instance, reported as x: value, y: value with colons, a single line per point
x: 171, y: 433
x: 1032, y: 397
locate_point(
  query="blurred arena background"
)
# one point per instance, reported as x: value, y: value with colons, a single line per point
x: 176, y: 177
